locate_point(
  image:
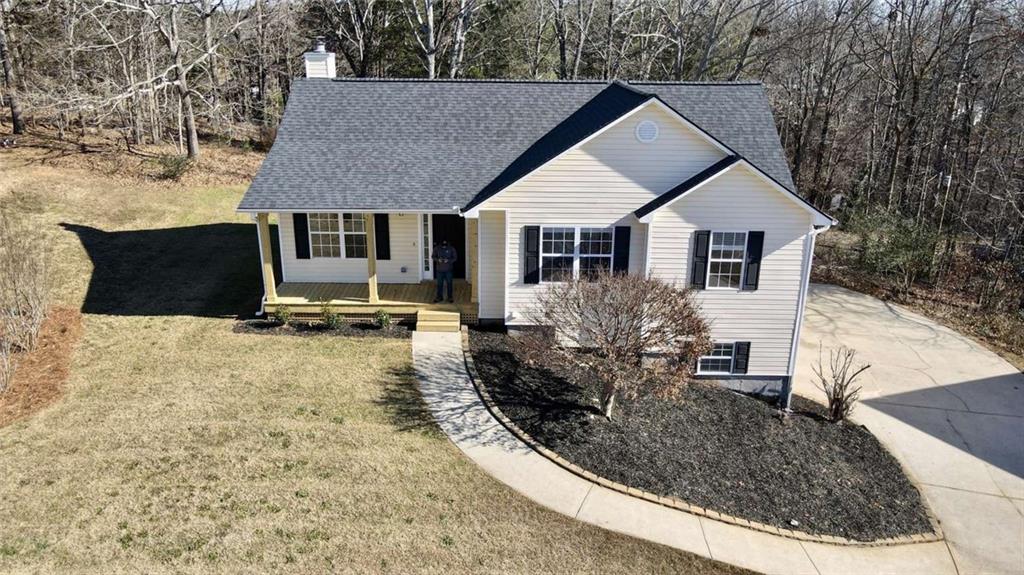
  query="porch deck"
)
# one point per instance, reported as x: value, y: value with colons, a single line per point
x: 351, y: 298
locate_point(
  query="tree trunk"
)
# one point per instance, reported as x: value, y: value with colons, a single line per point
x: 191, y: 134
x: 608, y: 399
x: 12, y: 98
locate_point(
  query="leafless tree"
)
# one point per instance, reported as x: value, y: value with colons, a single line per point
x: 633, y: 334
x: 839, y: 385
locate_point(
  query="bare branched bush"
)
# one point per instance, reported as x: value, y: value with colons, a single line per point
x: 630, y: 333
x: 24, y: 290
x: 838, y: 385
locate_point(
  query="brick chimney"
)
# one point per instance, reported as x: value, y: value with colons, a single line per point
x: 320, y: 62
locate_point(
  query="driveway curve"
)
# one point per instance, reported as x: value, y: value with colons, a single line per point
x: 949, y: 409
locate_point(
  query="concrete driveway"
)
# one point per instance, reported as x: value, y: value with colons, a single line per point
x: 950, y: 410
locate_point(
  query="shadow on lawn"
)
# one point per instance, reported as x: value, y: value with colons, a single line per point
x: 403, y: 404
x: 208, y: 270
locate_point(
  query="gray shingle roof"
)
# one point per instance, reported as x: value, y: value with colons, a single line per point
x: 436, y: 145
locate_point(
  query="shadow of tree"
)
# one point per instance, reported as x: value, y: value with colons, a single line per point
x: 404, y: 406
x: 207, y: 270
x: 534, y: 397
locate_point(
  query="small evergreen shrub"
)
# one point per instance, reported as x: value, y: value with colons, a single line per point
x: 330, y: 319
x: 282, y: 315
x: 172, y: 167
x: 383, y: 319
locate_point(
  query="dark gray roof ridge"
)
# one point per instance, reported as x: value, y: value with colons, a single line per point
x: 629, y: 83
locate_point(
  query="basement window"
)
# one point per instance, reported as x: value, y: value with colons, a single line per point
x: 718, y: 360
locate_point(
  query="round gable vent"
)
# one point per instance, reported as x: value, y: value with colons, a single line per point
x: 647, y: 131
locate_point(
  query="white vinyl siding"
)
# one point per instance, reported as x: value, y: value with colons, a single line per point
x: 404, y: 242
x: 491, y: 291
x: 740, y: 200
x: 599, y: 185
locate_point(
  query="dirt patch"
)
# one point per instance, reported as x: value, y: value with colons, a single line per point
x: 353, y: 329
x: 714, y: 448
x: 40, y: 376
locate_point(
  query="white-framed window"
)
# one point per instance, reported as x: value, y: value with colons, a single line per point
x: 354, y: 228
x: 324, y: 235
x: 333, y: 235
x: 595, y: 253
x: 568, y: 252
x: 717, y: 361
x: 725, y: 260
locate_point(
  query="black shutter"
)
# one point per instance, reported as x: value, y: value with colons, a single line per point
x: 755, y: 245
x: 382, y: 236
x: 740, y: 356
x: 699, y: 269
x: 531, y: 267
x: 620, y: 252
x: 301, y: 225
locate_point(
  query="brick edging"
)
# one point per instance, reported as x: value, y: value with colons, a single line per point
x: 672, y: 502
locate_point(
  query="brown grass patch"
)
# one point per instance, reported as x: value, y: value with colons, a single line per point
x: 41, y: 373
x: 103, y: 154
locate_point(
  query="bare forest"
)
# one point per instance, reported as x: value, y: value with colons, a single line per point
x: 903, y: 118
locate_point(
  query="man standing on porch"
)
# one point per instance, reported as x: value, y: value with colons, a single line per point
x: 444, y: 263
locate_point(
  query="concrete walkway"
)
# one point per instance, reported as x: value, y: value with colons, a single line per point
x: 449, y: 393
x: 950, y: 410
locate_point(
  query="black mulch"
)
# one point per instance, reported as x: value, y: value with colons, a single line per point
x: 714, y: 448
x: 269, y: 327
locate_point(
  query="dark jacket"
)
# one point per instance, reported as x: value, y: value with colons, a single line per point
x: 445, y: 258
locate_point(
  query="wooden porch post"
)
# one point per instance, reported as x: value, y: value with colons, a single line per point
x: 371, y: 258
x: 263, y: 231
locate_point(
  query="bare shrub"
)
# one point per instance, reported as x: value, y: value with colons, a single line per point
x: 24, y: 290
x: 631, y: 333
x: 839, y: 386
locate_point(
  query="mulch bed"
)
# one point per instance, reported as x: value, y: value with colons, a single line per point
x: 40, y: 374
x: 301, y: 328
x: 714, y: 448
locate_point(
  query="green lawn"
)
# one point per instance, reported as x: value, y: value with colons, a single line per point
x: 181, y: 446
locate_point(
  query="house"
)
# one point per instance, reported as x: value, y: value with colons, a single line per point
x: 533, y: 182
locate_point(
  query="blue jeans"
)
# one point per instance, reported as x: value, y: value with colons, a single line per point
x: 442, y: 279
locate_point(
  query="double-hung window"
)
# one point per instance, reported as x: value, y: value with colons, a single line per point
x: 595, y: 253
x: 557, y: 253
x: 717, y: 361
x: 330, y: 233
x: 571, y: 252
x: 324, y: 237
x: 354, y: 226
x: 725, y: 261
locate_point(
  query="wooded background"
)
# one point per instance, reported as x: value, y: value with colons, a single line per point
x: 902, y: 117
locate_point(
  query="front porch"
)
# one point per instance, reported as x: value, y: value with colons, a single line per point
x: 307, y: 298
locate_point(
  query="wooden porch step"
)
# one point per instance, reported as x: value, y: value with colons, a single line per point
x: 434, y: 320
